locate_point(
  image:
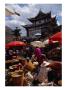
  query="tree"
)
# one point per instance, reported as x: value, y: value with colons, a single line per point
x: 16, y: 33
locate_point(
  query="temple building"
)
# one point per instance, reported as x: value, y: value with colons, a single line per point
x: 42, y: 23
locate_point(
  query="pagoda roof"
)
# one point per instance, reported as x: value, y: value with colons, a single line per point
x: 39, y: 16
x: 28, y: 26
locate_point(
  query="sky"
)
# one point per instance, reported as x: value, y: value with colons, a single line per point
x: 28, y: 11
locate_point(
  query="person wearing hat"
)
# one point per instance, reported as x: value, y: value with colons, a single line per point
x: 41, y: 76
x: 43, y: 73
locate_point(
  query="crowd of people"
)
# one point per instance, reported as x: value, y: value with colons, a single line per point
x: 34, y: 66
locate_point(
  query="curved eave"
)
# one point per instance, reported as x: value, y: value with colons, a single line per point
x: 36, y: 17
x: 27, y: 26
x: 31, y: 19
x: 24, y: 27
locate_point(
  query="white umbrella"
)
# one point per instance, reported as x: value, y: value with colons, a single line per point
x: 46, y: 42
x: 38, y: 34
x: 8, y: 12
x: 37, y: 44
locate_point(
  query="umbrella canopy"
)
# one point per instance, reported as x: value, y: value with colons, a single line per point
x: 56, y: 65
x: 56, y: 37
x: 46, y: 42
x: 9, y: 12
x: 38, y: 34
x: 15, y: 43
x: 37, y: 44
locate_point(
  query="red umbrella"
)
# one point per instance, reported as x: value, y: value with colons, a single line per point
x: 56, y: 37
x: 15, y: 43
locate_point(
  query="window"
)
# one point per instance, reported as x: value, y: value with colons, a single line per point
x: 40, y: 21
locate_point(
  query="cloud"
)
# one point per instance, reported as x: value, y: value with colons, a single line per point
x: 14, y: 23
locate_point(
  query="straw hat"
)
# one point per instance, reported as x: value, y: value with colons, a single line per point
x: 37, y: 44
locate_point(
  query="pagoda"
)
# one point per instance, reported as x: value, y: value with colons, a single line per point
x: 42, y: 23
